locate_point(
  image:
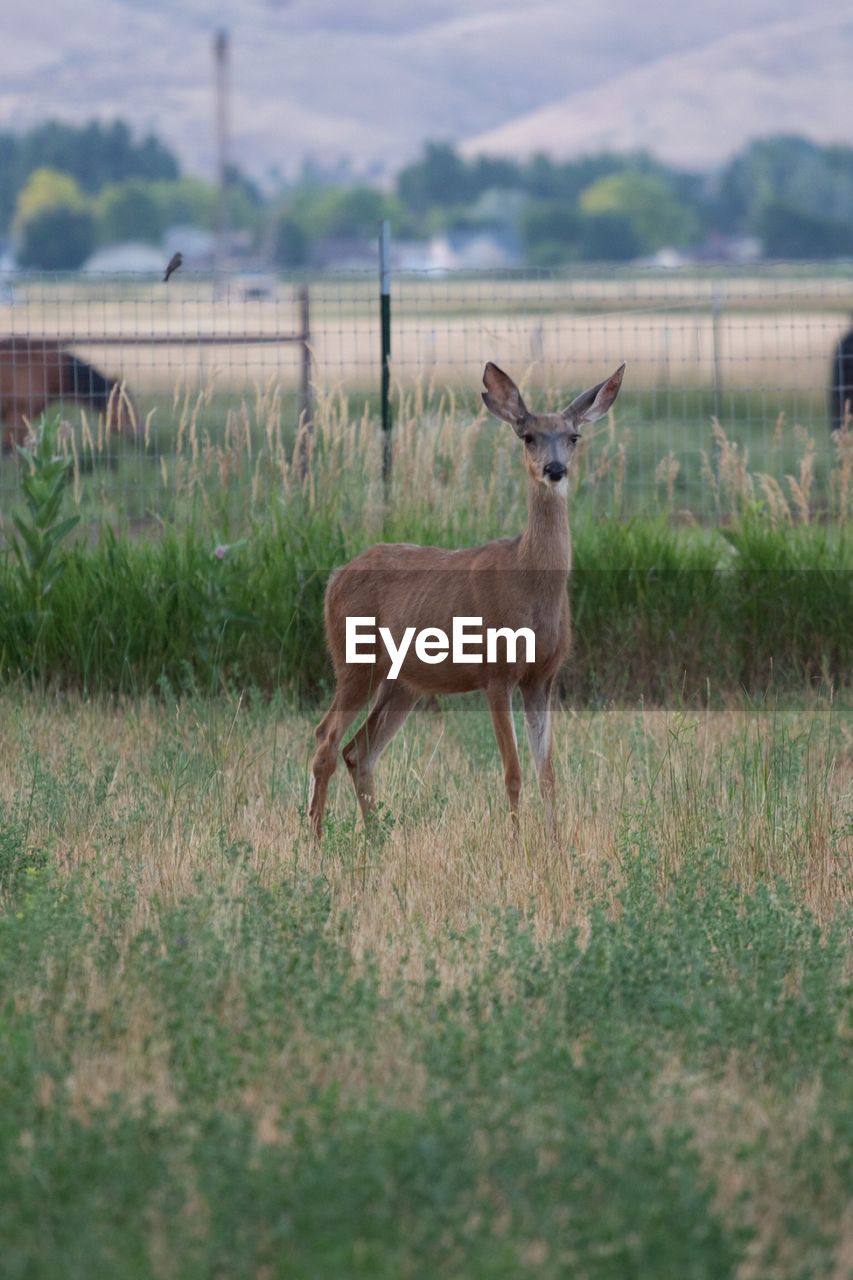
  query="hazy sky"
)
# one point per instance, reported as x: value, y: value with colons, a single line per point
x: 372, y: 80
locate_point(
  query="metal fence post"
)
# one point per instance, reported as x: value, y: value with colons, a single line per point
x: 305, y: 407
x: 716, y: 317
x: 305, y: 429
x: 385, y: 317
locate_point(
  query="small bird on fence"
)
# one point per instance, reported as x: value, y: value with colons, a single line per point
x: 174, y: 263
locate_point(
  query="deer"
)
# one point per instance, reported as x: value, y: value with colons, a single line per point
x: 509, y: 583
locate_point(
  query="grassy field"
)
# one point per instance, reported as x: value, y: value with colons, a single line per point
x: 425, y: 1050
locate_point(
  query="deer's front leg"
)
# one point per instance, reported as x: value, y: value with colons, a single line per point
x: 537, y: 715
x: 499, y: 697
x: 393, y: 704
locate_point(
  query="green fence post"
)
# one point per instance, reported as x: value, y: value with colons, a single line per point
x: 385, y: 315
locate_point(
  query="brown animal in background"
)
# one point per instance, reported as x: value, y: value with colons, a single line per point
x: 841, y: 382
x: 36, y: 371
x: 509, y: 583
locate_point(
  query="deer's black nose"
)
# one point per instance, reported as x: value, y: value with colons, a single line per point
x: 555, y: 470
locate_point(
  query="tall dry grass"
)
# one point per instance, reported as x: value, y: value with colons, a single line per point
x: 450, y: 467
x: 770, y: 784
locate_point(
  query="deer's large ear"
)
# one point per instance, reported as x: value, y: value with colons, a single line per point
x: 503, y: 398
x: 592, y: 404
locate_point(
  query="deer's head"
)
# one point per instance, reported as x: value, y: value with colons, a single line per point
x: 549, y: 438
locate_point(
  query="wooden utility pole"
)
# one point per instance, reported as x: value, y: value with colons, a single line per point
x: 220, y: 63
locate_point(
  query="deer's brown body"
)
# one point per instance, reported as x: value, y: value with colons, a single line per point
x: 396, y: 584
x: 35, y: 371
x: 509, y: 583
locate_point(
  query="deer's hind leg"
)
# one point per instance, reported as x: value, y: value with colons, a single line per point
x: 393, y: 704
x: 537, y: 714
x: 499, y: 698
x: 352, y: 693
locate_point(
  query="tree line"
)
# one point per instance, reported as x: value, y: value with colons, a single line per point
x: 64, y: 190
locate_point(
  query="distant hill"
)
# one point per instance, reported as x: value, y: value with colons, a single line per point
x: 371, y: 81
x: 694, y: 109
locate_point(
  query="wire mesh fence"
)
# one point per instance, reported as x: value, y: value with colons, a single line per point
x: 142, y: 370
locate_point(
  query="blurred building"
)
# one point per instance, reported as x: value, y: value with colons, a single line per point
x: 128, y: 258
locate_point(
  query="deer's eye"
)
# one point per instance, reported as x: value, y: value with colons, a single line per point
x: 574, y: 437
x: 528, y: 439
